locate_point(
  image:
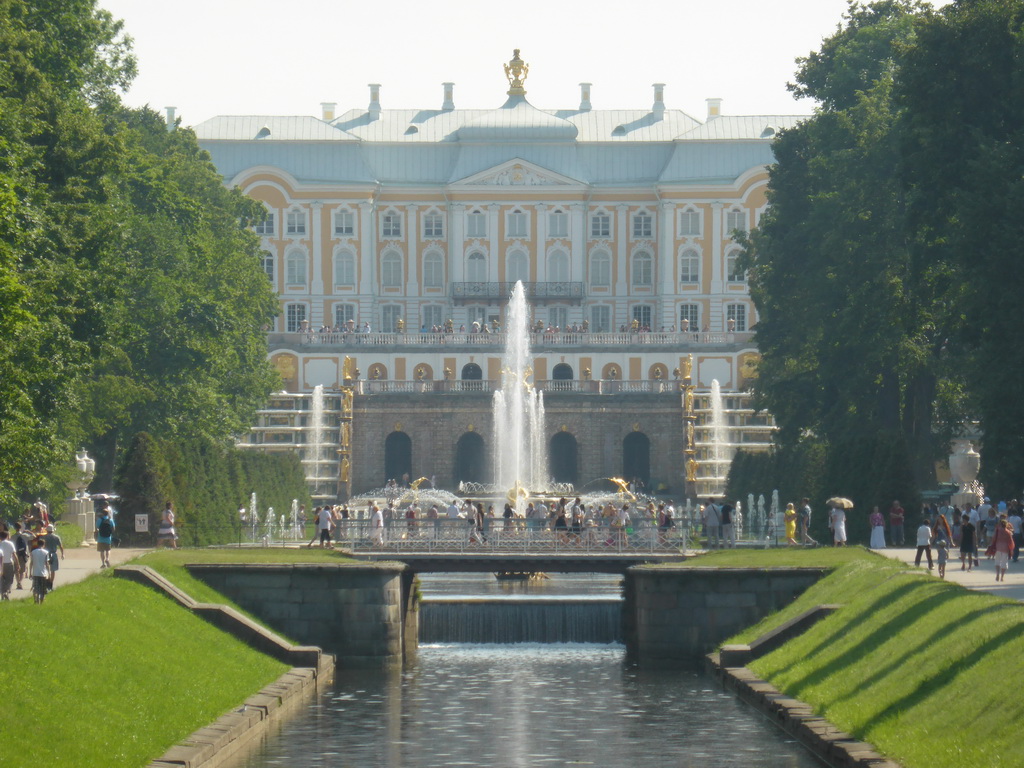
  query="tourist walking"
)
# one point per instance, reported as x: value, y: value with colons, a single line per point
x: 968, y: 544
x: 790, y: 519
x: 877, y: 523
x: 377, y: 527
x: 725, y: 513
x: 105, y: 536
x: 1001, y: 548
x: 713, y: 524
x: 805, y: 522
x: 942, y: 536
x: 1016, y: 522
x: 55, y: 547
x: 166, y: 535
x: 8, y: 565
x: 924, y: 543
x: 837, y: 522
x: 39, y: 570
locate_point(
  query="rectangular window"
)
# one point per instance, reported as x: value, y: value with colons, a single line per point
x: 558, y: 317
x: 600, y: 319
x: 296, y: 223
x: 295, y: 314
x: 342, y: 314
x: 389, y: 318
x: 391, y: 225
x: 558, y: 224
x: 268, y: 265
x: 642, y: 316
x: 476, y: 224
x: 600, y: 225
x: 689, y: 224
x: 432, y: 315
x: 344, y: 224
x: 736, y: 317
x: 517, y: 224
x: 732, y: 270
x: 265, y: 227
x: 689, y: 317
x: 433, y: 225
x: 643, y: 225
x: 735, y: 221
x: 689, y: 267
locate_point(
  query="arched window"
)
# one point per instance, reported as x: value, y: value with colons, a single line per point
x: 397, y: 456
x: 735, y: 274
x: 476, y: 268
x: 558, y: 223
x: 689, y: 222
x: 295, y: 222
x: 643, y: 269
x: 735, y: 221
x: 517, y: 224
x: 391, y: 270
x: 433, y: 270
x: 268, y: 264
x: 601, y: 269
x: 345, y: 269
x: 562, y: 372
x: 558, y: 267
x: 295, y: 268
x: 600, y: 225
x: 643, y: 226
x: 689, y: 266
x: 476, y: 223
x: 472, y: 372
x: 391, y: 225
x: 517, y: 267
x: 344, y: 223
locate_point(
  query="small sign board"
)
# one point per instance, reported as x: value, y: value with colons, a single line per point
x: 142, y: 523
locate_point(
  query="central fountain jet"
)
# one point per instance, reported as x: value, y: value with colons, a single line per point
x: 520, y: 436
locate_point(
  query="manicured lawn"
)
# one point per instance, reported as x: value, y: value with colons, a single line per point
x: 817, y: 557
x: 926, y: 670
x: 108, y: 673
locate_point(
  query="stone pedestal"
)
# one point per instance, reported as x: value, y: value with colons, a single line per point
x: 80, y: 512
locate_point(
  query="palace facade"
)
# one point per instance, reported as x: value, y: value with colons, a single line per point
x: 394, y: 237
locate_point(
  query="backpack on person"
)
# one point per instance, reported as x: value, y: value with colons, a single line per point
x: 725, y: 514
x: 105, y: 528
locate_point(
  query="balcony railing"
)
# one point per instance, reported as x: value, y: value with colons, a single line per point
x: 548, y: 386
x: 497, y: 340
x: 501, y: 291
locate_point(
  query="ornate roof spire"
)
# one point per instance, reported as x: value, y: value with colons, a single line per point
x: 516, y: 71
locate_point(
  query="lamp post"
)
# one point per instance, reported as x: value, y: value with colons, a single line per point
x: 80, y: 510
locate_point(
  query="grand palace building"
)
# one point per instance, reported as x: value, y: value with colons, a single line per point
x: 393, y: 239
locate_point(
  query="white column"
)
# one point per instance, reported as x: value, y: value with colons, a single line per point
x: 541, y: 241
x: 714, y: 319
x: 622, y: 259
x: 316, y: 285
x: 493, y: 212
x: 578, y: 233
x: 367, y: 260
x: 666, y: 262
x: 456, y: 243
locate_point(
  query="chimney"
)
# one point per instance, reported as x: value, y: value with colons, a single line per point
x: 327, y: 110
x: 170, y: 117
x: 585, y: 97
x: 714, y: 108
x: 374, y: 108
x: 659, y: 100
x: 449, y: 98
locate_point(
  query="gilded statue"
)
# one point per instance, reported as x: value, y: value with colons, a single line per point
x: 345, y: 434
x: 346, y: 402
x: 688, y: 408
x: 345, y: 470
x: 687, y: 366
x: 516, y: 71
x: 689, y: 434
x: 691, y: 470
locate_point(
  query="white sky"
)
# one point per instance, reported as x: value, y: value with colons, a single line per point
x: 212, y: 57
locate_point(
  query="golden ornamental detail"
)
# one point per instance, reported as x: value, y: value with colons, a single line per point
x: 516, y: 71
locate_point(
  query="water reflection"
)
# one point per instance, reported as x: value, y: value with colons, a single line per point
x: 528, y: 705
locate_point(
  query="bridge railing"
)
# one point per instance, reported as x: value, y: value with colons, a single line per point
x: 515, y: 536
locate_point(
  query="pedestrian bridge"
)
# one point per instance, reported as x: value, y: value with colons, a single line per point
x: 512, y: 547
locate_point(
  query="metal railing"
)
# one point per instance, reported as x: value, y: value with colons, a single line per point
x: 540, y: 340
x: 500, y: 291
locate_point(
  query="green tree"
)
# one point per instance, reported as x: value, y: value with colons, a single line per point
x: 962, y: 93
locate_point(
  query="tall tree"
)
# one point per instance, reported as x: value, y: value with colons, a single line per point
x: 962, y: 92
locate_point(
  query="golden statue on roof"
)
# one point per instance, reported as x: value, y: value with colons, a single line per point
x: 516, y: 71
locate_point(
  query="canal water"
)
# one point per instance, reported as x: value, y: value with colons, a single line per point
x: 527, y: 705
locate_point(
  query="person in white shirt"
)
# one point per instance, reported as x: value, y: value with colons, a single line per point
x: 8, y: 565
x: 39, y: 570
x: 924, y: 544
x: 377, y: 527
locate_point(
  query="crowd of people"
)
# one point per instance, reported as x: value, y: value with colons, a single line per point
x: 30, y: 551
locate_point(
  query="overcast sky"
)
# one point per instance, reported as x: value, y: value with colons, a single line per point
x: 218, y: 57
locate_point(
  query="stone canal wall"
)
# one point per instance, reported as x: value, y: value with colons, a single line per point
x: 676, y: 615
x: 364, y: 614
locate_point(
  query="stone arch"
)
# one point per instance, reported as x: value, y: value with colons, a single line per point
x: 658, y: 371
x: 472, y: 372
x: 470, y: 459
x: 611, y: 372
x: 562, y: 372
x: 377, y: 371
x: 423, y: 372
x: 636, y: 458
x: 563, y: 453
x: 397, y: 456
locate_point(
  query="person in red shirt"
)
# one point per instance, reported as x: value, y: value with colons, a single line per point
x: 896, y: 515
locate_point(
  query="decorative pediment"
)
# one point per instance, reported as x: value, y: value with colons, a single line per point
x: 517, y: 173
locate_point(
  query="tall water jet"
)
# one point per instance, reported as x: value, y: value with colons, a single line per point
x: 719, y: 452
x: 315, y: 447
x: 520, y: 435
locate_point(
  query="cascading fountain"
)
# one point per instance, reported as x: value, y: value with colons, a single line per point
x: 254, y: 516
x: 718, y: 451
x: 296, y: 533
x: 520, y: 445
x: 315, y: 446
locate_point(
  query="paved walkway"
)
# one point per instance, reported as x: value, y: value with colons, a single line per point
x: 78, y: 563
x: 982, y: 578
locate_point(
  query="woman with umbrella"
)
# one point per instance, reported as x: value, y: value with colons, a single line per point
x: 837, y: 519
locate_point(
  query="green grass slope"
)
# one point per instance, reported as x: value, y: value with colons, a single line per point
x: 107, y: 673
x: 925, y: 670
